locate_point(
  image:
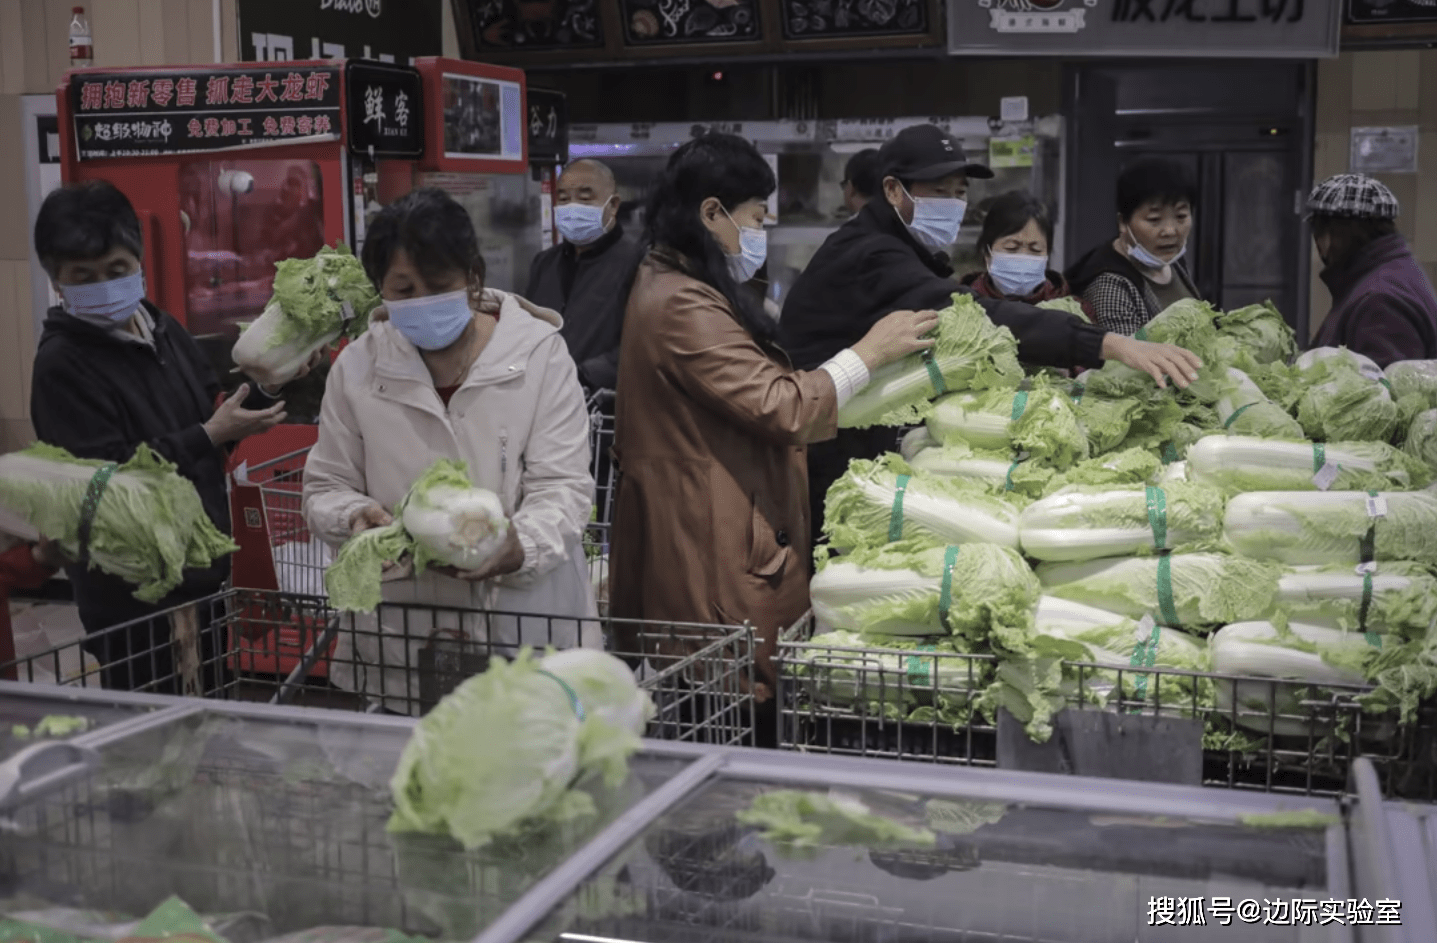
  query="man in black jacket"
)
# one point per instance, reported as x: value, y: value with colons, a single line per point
x: 893, y: 256
x: 586, y: 278
x: 113, y: 371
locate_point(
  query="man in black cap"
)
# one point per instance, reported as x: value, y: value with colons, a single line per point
x: 893, y: 256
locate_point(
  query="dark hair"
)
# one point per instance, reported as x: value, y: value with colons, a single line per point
x: 1349, y: 235
x: 85, y: 221
x: 730, y: 169
x: 432, y: 229
x: 862, y: 172
x: 1008, y: 214
x: 1166, y: 181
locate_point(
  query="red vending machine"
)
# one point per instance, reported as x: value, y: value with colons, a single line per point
x: 233, y: 168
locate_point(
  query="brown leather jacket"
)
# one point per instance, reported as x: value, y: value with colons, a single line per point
x: 711, y: 522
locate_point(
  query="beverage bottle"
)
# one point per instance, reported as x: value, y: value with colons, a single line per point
x: 82, y: 52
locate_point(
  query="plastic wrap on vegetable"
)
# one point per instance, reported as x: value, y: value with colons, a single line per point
x: 315, y: 301
x: 1086, y: 523
x: 1184, y: 590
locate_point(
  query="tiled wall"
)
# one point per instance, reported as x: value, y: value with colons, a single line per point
x: 1374, y: 89
x: 34, y: 54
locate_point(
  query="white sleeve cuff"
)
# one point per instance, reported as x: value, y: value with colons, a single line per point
x: 849, y: 373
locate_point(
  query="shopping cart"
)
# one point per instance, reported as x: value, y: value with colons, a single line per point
x: 219, y: 647
x: 1162, y: 724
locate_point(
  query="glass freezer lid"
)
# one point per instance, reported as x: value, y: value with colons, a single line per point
x: 281, y: 815
x: 994, y: 871
x: 58, y: 714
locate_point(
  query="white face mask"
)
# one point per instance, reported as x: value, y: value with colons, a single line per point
x: 936, y: 220
x: 1017, y: 276
x: 753, y: 251
x: 1143, y: 257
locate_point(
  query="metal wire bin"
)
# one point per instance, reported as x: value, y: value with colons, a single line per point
x: 1233, y: 732
x: 280, y: 822
x: 698, y: 675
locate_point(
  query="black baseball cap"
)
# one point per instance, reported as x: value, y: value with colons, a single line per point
x: 927, y: 152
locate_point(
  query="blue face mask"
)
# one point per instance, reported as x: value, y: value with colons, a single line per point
x: 579, y: 223
x: 434, y: 321
x: 105, y: 304
x: 1017, y: 276
x: 936, y: 220
x: 752, y: 252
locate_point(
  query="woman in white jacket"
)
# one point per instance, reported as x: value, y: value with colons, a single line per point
x: 451, y: 369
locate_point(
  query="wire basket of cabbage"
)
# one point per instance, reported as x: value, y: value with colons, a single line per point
x: 315, y: 302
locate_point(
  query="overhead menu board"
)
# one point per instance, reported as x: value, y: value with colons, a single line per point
x: 671, y: 22
x: 516, y: 26
x: 818, y: 19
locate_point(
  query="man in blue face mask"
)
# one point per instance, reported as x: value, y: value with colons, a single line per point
x: 893, y: 256
x: 586, y: 277
x: 113, y: 371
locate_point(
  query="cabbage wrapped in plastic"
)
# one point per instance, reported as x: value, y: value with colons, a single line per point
x: 315, y: 301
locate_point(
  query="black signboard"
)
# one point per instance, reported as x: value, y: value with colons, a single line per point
x: 47, y: 138
x: 819, y: 19
x: 523, y: 24
x: 667, y: 22
x: 129, y: 115
x: 548, y: 127
x: 385, y: 107
x: 1367, y: 12
x: 388, y: 30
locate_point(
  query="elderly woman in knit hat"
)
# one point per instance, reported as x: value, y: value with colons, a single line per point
x: 1383, y: 305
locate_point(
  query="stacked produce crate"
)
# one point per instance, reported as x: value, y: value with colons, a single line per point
x: 1233, y: 552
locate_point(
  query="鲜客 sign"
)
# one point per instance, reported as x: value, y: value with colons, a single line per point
x: 1229, y: 28
x: 138, y: 114
x: 385, y: 107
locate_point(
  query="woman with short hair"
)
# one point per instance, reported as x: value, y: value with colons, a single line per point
x: 1132, y: 279
x: 1015, y: 246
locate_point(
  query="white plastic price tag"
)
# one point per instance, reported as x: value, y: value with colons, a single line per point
x: 1369, y: 567
x: 1376, y: 506
x: 1145, y: 627
x: 1325, y: 476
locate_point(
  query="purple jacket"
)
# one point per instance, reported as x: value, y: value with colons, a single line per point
x: 1383, y: 305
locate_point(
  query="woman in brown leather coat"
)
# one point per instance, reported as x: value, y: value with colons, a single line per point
x: 712, y: 422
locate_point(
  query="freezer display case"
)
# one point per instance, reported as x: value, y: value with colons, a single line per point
x: 277, y: 815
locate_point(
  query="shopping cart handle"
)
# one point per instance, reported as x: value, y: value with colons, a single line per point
x: 41, y: 765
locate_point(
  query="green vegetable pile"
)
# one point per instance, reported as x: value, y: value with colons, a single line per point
x: 1281, y: 506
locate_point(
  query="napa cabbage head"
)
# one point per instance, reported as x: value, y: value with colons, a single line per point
x: 1243, y: 409
x: 1421, y: 441
x: 969, y: 352
x: 1346, y: 406
x: 862, y: 508
x: 503, y: 748
x: 1040, y: 422
x: 1255, y: 335
x: 1206, y: 588
x: 315, y: 302
x: 1188, y: 324
x: 1069, y: 304
x: 990, y: 593
x: 147, y: 529
x: 1017, y: 481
